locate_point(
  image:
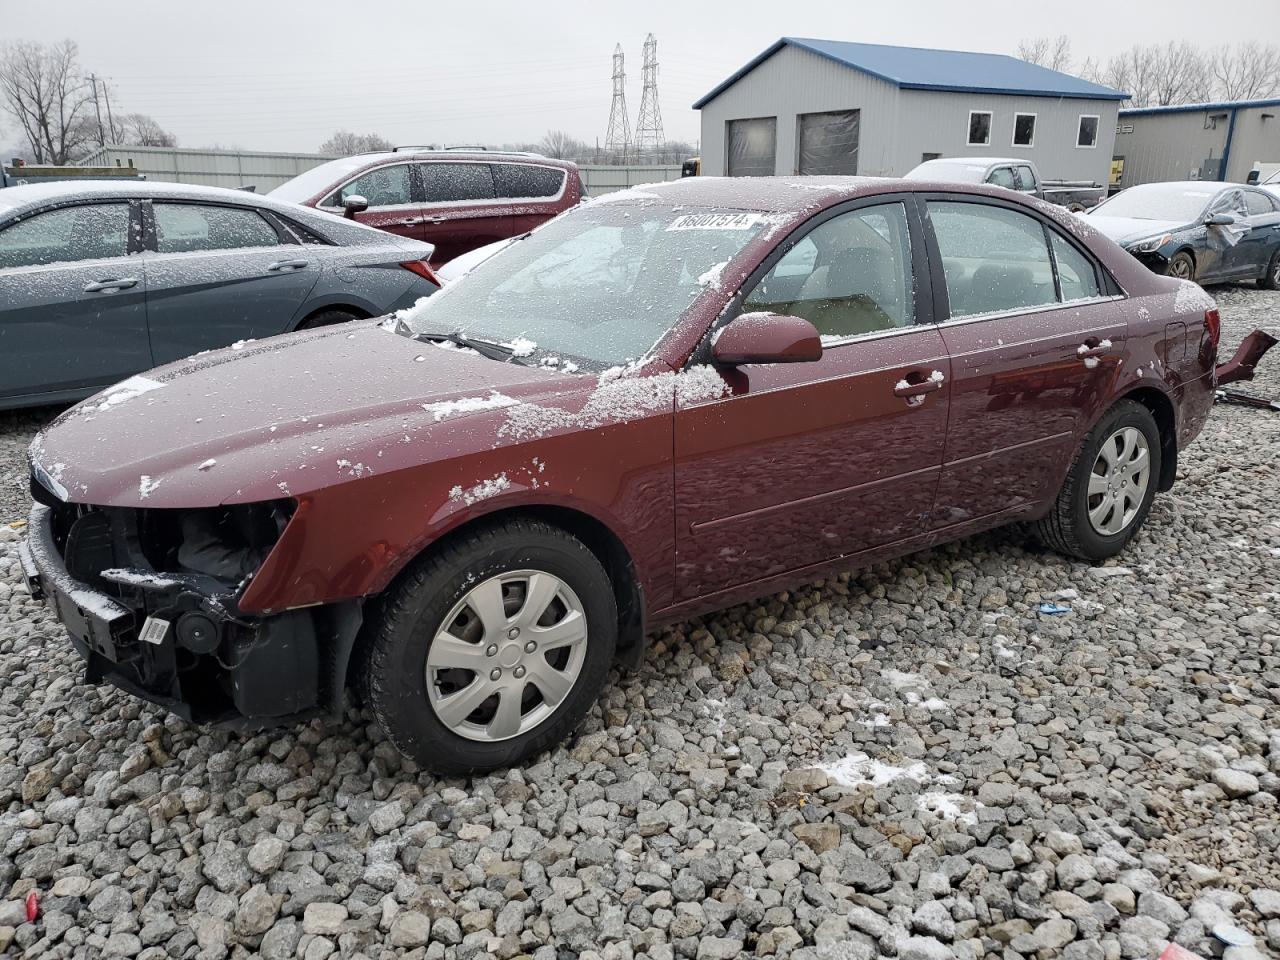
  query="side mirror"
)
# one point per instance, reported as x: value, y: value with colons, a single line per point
x: 354, y: 204
x: 1220, y: 220
x: 767, y: 338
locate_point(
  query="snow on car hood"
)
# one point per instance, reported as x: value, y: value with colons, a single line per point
x: 1130, y: 229
x: 281, y: 417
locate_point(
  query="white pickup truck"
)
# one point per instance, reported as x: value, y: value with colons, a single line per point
x: 1019, y: 175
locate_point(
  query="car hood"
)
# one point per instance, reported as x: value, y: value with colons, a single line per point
x: 281, y: 417
x: 1129, y: 229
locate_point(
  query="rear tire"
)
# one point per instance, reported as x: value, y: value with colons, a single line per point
x: 459, y: 625
x: 1271, y: 279
x: 327, y: 318
x: 1182, y: 265
x: 1109, y: 488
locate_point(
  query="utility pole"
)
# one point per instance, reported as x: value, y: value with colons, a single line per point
x: 93, y: 83
x: 618, y: 138
x: 649, y: 133
x: 111, y: 123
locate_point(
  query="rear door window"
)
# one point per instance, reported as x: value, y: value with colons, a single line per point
x: 456, y: 182
x: 995, y: 260
x: 91, y: 231
x: 1002, y: 177
x: 1027, y: 178
x: 1076, y: 274
x: 524, y: 180
x: 1258, y: 203
x: 187, y: 227
x: 383, y: 187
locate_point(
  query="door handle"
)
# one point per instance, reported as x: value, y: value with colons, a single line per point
x: 1093, y: 348
x: 282, y: 266
x: 411, y: 222
x: 918, y: 384
x: 110, y: 286
x: 436, y: 219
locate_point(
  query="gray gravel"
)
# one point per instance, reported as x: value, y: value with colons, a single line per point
x: 1089, y: 785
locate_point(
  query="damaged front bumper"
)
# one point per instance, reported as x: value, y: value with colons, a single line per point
x: 179, y: 639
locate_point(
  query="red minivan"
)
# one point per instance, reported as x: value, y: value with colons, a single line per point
x: 457, y: 200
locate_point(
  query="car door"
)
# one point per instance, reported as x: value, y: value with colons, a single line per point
x: 1230, y: 250
x: 1027, y: 179
x: 532, y: 191
x: 804, y: 463
x: 219, y: 273
x: 72, y: 299
x: 460, y: 207
x: 1263, y: 238
x: 1035, y: 340
x: 394, y: 197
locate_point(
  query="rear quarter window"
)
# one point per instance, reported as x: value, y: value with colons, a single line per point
x: 526, y: 181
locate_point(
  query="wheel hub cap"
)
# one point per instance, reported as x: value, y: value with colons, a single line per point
x: 1119, y: 480
x: 507, y: 655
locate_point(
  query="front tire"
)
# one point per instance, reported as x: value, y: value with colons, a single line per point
x: 492, y: 649
x: 327, y: 318
x: 1110, y: 487
x: 1182, y: 265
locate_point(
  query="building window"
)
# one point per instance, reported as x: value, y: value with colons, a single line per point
x: 926, y: 157
x: 979, y: 128
x: 827, y: 143
x: 1087, y: 135
x: 1024, y: 129
x: 751, y: 147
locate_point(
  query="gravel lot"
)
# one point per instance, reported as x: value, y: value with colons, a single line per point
x: 1083, y: 785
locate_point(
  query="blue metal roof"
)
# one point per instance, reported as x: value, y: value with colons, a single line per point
x: 1199, y: 107
x: 918, y: 68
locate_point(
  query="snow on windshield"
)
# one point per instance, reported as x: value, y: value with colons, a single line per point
x: 602, y: 283
x: 311, y: 182
x: 1182, y: 202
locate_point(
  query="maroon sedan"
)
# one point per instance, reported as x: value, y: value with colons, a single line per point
x: 660, y: 403
x: 456, y: 200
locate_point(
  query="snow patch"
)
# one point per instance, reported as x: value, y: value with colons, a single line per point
x: 122, y: 391
x: 146, y: 486
x: 207, y: 465
x: 444, y: 409
x: 137, y: 578
x: 521, y: 347
x: 481, y: 491
x: 1190, y: 297
x: 712, y: 277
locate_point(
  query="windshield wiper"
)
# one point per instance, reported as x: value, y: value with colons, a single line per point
x: 486, y: 348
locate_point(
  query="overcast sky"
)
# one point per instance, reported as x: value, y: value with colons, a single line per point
x: 271, y: 75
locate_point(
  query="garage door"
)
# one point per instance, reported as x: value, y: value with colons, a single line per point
x: 828, y: 143
x: 752, y: 147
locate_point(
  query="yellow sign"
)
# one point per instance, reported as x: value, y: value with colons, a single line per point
x: 1117, y: 170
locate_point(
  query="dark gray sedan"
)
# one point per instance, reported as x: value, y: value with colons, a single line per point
x: 1198, y: 230
x: 99, y: 281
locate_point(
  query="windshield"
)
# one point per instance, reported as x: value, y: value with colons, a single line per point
x: 1180, y: 202
x: 316, y: 180
x: 601, y: 284
x: 958, y: 171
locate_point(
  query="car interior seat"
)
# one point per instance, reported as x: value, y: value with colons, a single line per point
x: 857, y: 291
x: 997, y: 287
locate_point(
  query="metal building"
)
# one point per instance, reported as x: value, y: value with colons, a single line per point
x: 1197, y: 141
x: 214, y: 168
x: 824, y: 106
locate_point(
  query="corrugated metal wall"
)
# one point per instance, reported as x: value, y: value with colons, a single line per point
x: 1169, y: 146
x: 899, y: 126
x: 214, y: 168
x: 1256, y: 140
x: 266, y: 171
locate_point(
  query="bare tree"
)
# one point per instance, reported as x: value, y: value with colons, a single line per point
x: 43, y: 89
x: 1051, y: 52
x: 1247, y: 71
x: 140, y: 130
x: 561, y: 145
x: 1180, y: 74
x: 344, y: 143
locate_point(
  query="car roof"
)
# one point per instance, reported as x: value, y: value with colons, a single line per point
x: 505, y: 156
x: 771, y: 194
x: 40, y: 194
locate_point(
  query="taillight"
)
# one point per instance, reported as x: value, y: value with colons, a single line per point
x: 421, y: 268
x: 1213, y: 326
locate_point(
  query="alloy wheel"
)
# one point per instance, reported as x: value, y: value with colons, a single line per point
x: 506, y: 655
x: 1119, y: 480
x: 1180, y: 268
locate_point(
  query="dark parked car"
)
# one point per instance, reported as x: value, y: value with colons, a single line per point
x: 456, y: 200
x: 1198, y: 230
x: 101, y: 280
x: 649, y: 408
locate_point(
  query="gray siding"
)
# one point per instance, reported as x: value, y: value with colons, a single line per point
x: 213, y: 168
x: 1255, y: 141
x: 937, y: 122
x: 795, y: 81
x: 1168, y: 146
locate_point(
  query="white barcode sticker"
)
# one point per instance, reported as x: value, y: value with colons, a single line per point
x: 153, y: 631
x: 714, y: 221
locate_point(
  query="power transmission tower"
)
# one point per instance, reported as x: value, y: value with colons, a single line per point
x: 618, y: 140
x: 649, y: 135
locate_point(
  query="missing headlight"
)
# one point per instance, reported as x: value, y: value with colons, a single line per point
x: 230, y: 543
